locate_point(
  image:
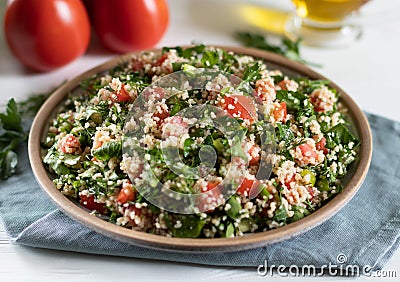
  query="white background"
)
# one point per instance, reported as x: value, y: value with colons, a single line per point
x: 368, y: 70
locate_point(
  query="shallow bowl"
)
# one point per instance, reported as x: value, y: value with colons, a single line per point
x: 353, y: 181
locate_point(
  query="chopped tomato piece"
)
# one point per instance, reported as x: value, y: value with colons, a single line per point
x: 70, y: 144
x: 137, y: 65
x: 288, y: 84
x: 127, y: 193
x: 133, y: 208
x: 166, y: 67
x: 317, y: 104
x: 161, y: 60
x: 282, y: 85
x: 121, y: 95
x: 211, y: 185
x: 88, y: 201
x: 323, y: 99
x: 160, y: 115
x: 239, y: 106
x: 280, y: 112
x: 254, y: 153
x: 308, y: 151
x: 289, y: 181
x: 320, y: 145
x: 246, y: 186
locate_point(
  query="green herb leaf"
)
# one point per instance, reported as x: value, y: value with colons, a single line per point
x: 175, y: 103
x: 299, y: 213
x: 265, y: 193
x: 191, y: 227
x: 308, y: 86
x: 94, y: 114
x: 189, y: 70
x: 323, y: 185
x: 53, y: 160
x: 8, y: 163
x: 31, y: 106
x: 236, y: 148
x: 220, y: 144
x: 13, y: 134
x: 258, y: 41
x: 244, y: 225
x: 285, y: 133
x: 235, y: 207
x: 188, y: 147
x: 295, y: 101
x: 11, y: 120
x: 252, y: 73
x: 340, y: 134
x: 287, y: 48
x: 210, y: 58
x: 188, y: 52
x: 12, y: 131
x: 71, y: 160
x: 108, y: 150
x: 280, y: 214
x: 230, y: 231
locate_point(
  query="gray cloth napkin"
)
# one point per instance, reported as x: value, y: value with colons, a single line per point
x: 365, y: 232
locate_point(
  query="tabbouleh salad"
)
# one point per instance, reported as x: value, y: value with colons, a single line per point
x: 314, y: 145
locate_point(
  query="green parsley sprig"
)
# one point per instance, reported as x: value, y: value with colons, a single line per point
x: 287, y: 48
x: 13, y: 135
x: 12, y: 132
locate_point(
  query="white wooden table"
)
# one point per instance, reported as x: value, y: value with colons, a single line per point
x: 367, y: 70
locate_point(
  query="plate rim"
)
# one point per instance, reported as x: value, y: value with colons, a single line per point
x: 199, y: 245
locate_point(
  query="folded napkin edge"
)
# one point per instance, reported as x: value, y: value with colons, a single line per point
x: 385, y: 241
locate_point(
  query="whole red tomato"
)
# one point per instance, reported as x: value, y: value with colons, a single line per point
x: 47, y: 34
x: 129, y: 25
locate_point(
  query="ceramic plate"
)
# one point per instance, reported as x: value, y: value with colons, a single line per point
x: 353, y: 181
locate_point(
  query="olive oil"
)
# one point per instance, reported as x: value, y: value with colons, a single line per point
x: 326, y: 10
